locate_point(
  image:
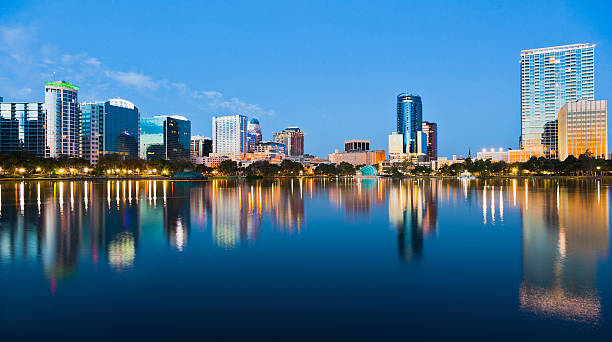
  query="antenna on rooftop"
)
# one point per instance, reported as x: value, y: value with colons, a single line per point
x: 54, y: 76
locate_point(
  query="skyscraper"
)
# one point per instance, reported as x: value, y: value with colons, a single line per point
x: 121, y: 128
x: 409, y: 120
x: 293, y: 139
x: 92, y: 131
x: 583, y: 127
x: 253, y: 134
x: 200, y: 147
x: 22, y: 128
x: 551, y: 77
x: 431, y: 130
x: 63, y: 119
x: 229, y: 134
x: 165, y: 137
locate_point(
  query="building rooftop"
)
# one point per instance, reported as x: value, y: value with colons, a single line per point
x: 254, y: 121
x: 557, y: 48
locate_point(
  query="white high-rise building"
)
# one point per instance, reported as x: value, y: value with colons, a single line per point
x: 229, y: 134
x: 551, y: 77
x: 63, y: 119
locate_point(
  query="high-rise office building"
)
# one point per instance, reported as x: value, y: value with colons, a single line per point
x: 293, y: 139
x: 253, y: 134
x: 165, y: 137
x: 63, y: 119
x: 229, y: 134
x: 396, y: 143
x: 22, y: 128
x: 92, y: 129
x: 431, y: 130
x: 551, y: 77
x: 200, y: 147
x: 409, y: 120
x: 356, y: 145
x: 583, y: 127
x: 121, y: 128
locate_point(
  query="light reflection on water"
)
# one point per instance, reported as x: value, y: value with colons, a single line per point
x: 564, y: 225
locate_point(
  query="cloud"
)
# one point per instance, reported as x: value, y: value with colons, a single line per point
x: 133, y: 79
x: 28, y: 62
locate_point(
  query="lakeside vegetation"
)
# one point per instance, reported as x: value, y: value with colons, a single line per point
x: 24, y: 165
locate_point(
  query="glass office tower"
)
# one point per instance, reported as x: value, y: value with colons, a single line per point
x: 431, y: 130
x: 165, y: 137
x: 229, y: 134
x: 253, y: 134
x: 583, y: 128
x: 121, y: 127
x: 63, y: 119
x: 92, y: 128
x: 551, y: 77
x: 409, y: 120
x: 22, y: 128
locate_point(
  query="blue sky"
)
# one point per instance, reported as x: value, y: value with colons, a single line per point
x: 331, y: 67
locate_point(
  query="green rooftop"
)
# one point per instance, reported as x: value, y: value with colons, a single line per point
x: 62, y: 84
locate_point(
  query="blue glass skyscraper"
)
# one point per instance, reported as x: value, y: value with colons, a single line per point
x: 121, y: 128
x: 409, y: 120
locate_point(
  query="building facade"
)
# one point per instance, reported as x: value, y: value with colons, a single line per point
x: 493, y: 155
x: 63, y: 124
x: 431, y: 130
x: 358, y: 158
x: 293, y: 139
x: 121, y: 128
x: 201, y: 147
x: 270, y: 150
x: 583, y: 127
x: 22, y: 128
x: 551, y: 77
x: 165, y: 137
x: 229, y: 134
x: 409, y: 120
x: 92, y: 131
x: 254, y: 135
x: 396, y: 143
x: 356, y: 145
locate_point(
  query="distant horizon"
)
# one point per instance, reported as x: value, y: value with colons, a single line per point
x: 334, y: 71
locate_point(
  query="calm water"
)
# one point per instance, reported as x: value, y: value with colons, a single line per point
x: 296, y: 259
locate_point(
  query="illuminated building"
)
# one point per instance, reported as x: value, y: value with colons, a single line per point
x: 92, y: 131
x: 269, y: 150
x: 431, y: 130
x: 492, y: 155
x: 551, y: 77
x: 229, y: 134
x: 396, y: 143
x: 63, y: 126
x: 409, y: 120
x: 200, y: 147
x: 165, y: 137
x: 22, y: 128
x: 583, y: 127
x: 358, y: 158
x: 121, y: 128
x: 293, y: 139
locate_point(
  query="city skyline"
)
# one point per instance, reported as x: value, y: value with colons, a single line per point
x: 202, y: 94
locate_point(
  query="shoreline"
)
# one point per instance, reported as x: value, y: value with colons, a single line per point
x: 103, y: 178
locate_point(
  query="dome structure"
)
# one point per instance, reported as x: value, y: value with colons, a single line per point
x: 368, y: 170
x: 254, y: 121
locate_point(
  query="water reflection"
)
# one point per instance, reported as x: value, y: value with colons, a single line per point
x: 564, y: 224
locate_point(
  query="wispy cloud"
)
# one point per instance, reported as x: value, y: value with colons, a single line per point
x: 27, y: 63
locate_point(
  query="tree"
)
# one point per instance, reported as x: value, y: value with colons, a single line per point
x: 346, y: 168
x: 326, y: 169
x: 228, y: 167
x: 291, y: 168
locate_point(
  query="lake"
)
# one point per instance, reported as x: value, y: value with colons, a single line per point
x: 303, y: 259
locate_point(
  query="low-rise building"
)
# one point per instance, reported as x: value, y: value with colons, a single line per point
x: 493, y: 155
x: 358, y: 158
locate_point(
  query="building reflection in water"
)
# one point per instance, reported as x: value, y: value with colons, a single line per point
x: 565, y: 235
x: 565, y: 224
x: 413, y: 210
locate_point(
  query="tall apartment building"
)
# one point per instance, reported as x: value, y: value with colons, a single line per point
x: 165, y: 137
x: 583, y: 127
x: 22, y: 128
x: 431, y: 131
x: 63, y: 124
x: 551, y: 77
x: 229, y: 134
x: 409, y: 120
x: 293, y: 139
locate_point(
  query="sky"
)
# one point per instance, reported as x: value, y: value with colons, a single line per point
x: 333, y: 68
